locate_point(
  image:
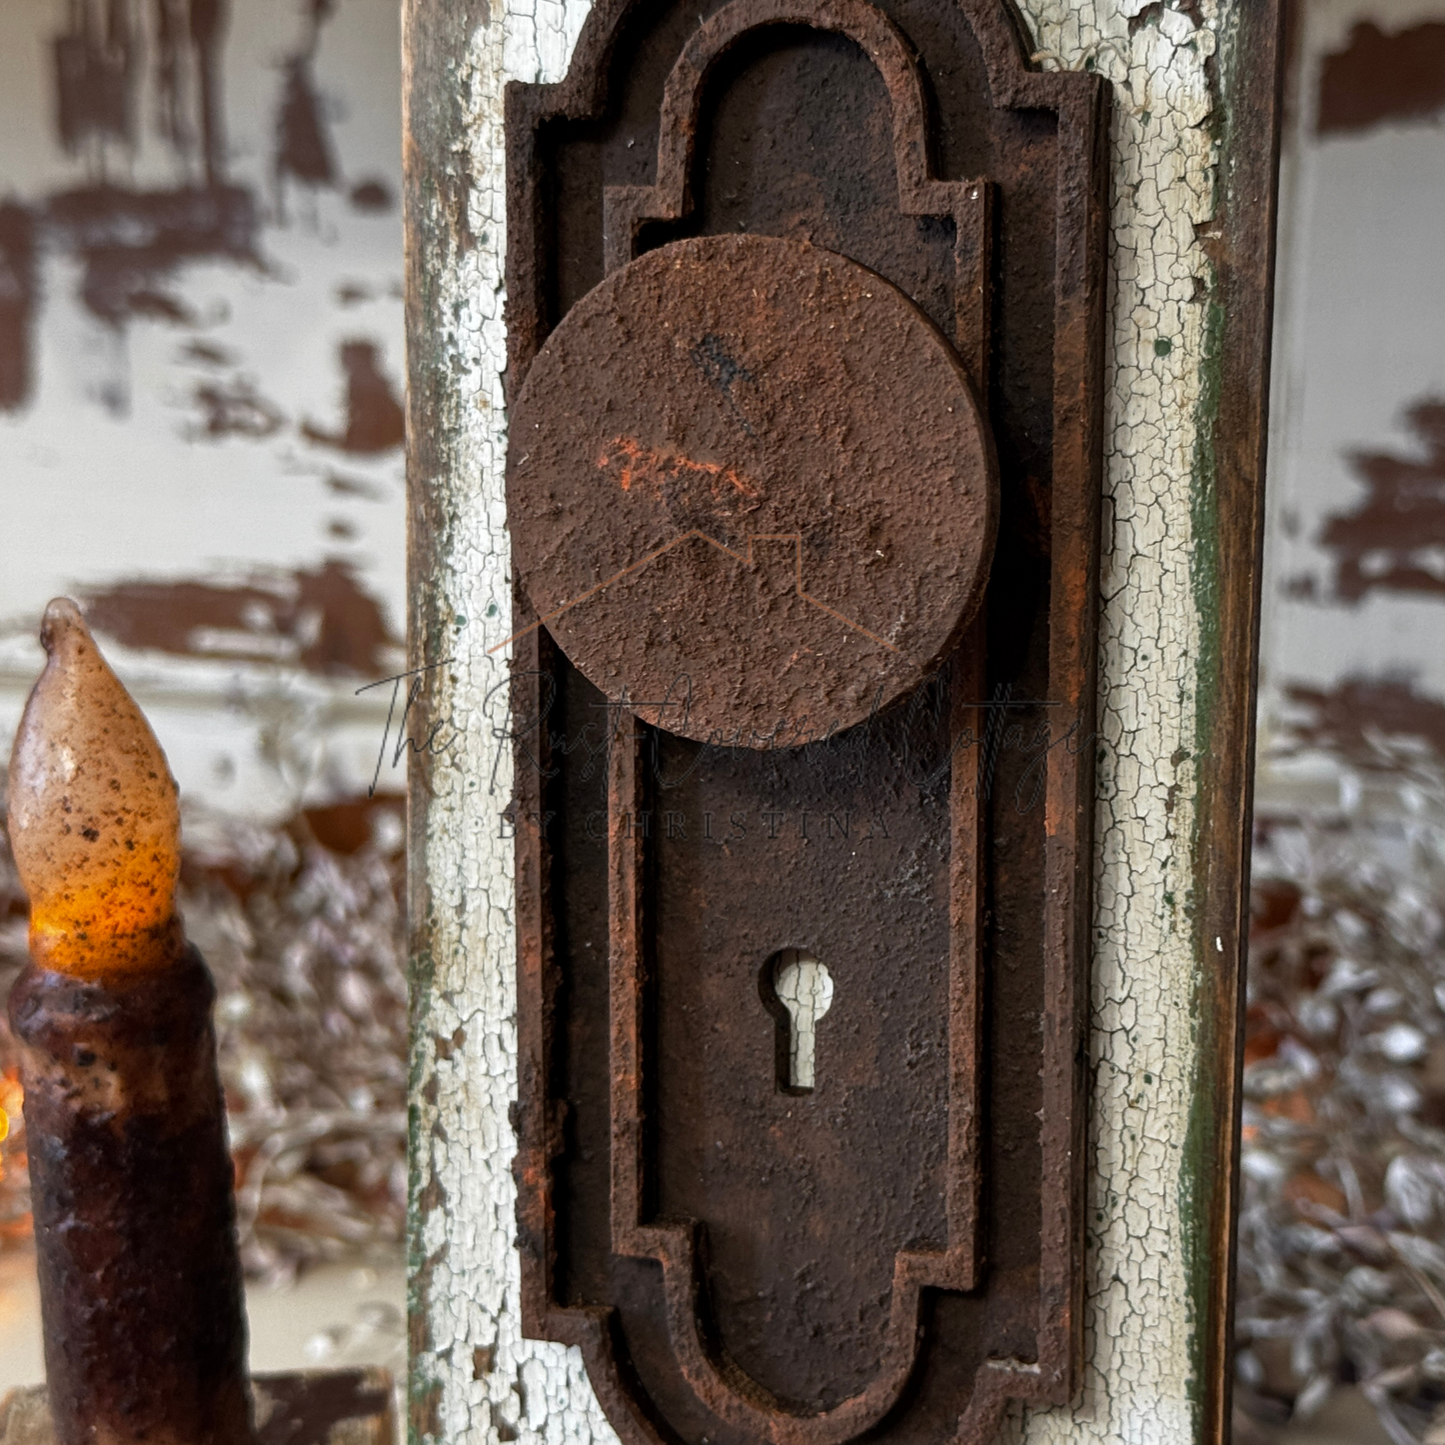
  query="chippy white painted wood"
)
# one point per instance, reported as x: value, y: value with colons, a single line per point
x: 1137, y: 1384
x: 474, y: 1377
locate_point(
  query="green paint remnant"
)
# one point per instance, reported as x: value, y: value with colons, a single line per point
x: 459, y: 621
x: 491, y: 609
x: 1198, y: 1161
x: 1162, y: 346
x: 1199, y: 1156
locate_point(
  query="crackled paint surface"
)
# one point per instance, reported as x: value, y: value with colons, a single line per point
x: 474, y: 1377
x: 1138, y: 1383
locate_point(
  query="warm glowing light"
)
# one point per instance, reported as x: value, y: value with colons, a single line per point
x: 12, y: 1103
x: 94, y: 819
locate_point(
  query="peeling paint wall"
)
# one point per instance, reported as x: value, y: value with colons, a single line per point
x: 201, y: 373
x: 474, y: 1377
x: 1352, y: 661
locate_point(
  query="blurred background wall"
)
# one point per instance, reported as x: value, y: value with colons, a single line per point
x: 1341, y: 1264
x: 201, y: 431
x: 201, y: 373
x: 1353, y: 665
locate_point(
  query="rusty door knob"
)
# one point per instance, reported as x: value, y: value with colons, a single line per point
x: 750, y: 490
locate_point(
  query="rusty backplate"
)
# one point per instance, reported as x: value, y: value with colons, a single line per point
x: 805, y: 309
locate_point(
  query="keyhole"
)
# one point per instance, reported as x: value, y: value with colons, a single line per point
x: 802, y: 992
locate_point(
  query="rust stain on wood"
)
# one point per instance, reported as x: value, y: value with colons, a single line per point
x: 132, y: 241
x: 1389, y: 541
x: 304, y: 150
x: 372, y: 197
x: 1352, y: 717
x: 97, y: 61
x: 98, y: 71
x: 323, y: 620
x: 375, y: 421
x: 17, y: 305
x: 1379, y: 77
x: 234, y: 408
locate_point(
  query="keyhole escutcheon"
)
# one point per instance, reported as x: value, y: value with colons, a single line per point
x: 798, y: 990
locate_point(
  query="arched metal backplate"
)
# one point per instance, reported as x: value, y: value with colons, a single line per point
x: 895, y: 1249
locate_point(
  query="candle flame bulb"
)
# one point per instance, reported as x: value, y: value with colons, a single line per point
x: 94, y: 817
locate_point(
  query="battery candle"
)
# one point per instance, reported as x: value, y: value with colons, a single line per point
x: 94, y: 818
x: 140, y: 1282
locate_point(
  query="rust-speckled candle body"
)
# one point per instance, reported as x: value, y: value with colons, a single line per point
x: 140, y: 1283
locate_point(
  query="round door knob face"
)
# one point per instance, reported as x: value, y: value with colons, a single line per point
x: 750, y: 491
